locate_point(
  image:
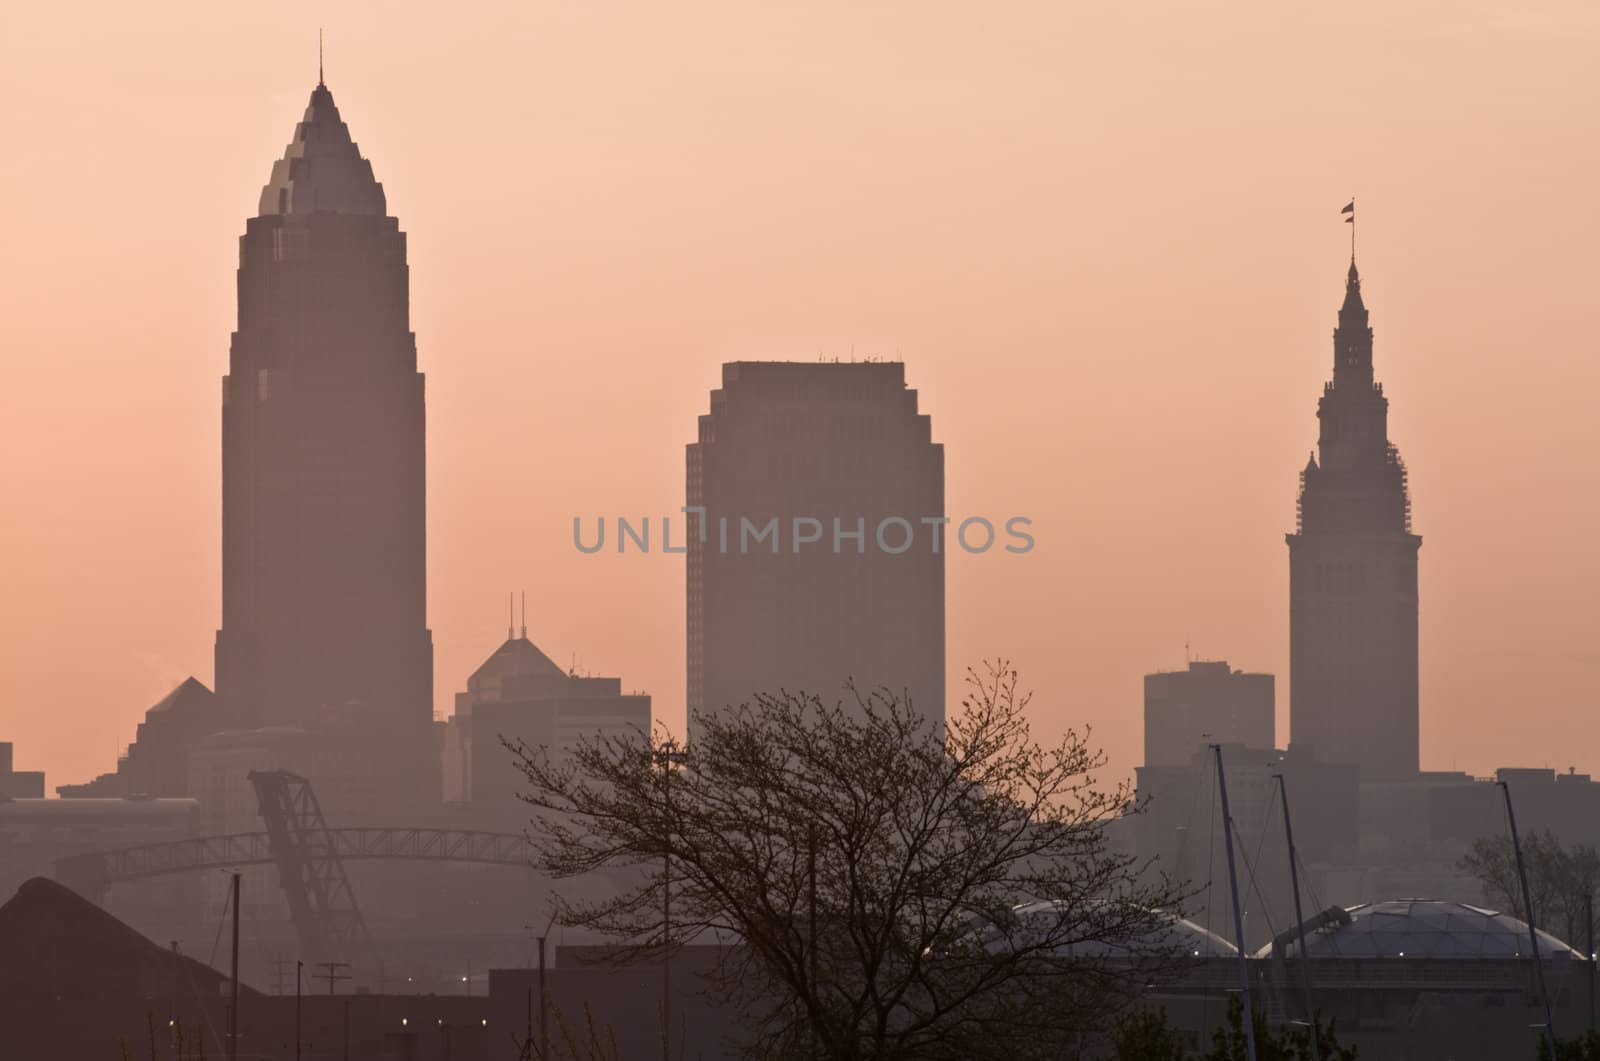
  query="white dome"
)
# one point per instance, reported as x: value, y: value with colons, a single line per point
x: 1422, y: 928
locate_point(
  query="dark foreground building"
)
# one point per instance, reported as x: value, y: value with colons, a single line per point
x: 822, y: 554
x: 1353, y: 574
x: 324, y: 587
x: 76, y: 983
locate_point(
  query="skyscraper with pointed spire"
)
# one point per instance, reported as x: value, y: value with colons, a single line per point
x: 324, y: 588
x: 1353, y: 573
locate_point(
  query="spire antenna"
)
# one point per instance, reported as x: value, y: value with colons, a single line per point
x: 1350, y: 210
x: 511, y: 616
x: 524, y: 615
x: 320, y: 82
x: 1352, y: 231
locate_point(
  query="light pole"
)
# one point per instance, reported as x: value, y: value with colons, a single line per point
x: 668, y: 756
x: 544, y: 1032
x: 811, y: 929
x: 233, y: 1008
x: 544, y: 995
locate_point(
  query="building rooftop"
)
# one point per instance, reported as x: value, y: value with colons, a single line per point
x: 190, y: 695
x: 516, y: 657
x: 322, y: 170
x: 60, y: 944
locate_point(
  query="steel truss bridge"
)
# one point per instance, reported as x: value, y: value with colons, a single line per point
x: 310, y: 857
x: 93, y: 874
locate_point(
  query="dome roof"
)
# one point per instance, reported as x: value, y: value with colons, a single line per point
x: 1176, y: 935
x: 1422, y: 928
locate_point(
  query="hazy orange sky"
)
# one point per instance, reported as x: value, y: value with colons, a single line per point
x: 1104, y: 238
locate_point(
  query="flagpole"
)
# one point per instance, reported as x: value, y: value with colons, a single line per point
x: 1352, y: 229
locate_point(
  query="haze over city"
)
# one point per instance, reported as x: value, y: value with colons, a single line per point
x: 1105, y: 242
x: 899, y: 531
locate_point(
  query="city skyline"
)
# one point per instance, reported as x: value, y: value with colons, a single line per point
x: 1490, y: 625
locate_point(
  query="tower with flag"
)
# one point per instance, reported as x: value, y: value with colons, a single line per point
x: 1353, y: 678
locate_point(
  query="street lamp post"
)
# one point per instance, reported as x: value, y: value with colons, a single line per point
x: 667, y: 756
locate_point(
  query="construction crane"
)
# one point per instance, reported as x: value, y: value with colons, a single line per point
x: 321, y: 902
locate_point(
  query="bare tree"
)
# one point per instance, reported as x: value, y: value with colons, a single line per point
x: 1561, y: 880
x: 870, y: 872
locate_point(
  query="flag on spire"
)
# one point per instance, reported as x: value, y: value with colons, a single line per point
x: 1350, y: 208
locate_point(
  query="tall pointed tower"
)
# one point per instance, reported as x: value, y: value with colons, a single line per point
x: 1353, y: 574
x: 324, y: 583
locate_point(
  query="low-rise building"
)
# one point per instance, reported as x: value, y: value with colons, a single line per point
x: 1208, y: 703
x: 18, y: 784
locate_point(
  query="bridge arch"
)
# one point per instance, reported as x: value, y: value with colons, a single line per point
x: 92, y: 875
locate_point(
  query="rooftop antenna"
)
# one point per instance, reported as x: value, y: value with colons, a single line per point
x: 511, y: 617
x: 319, y: 58
x: 524, y: 615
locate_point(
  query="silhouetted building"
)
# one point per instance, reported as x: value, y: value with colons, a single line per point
x: 1353, y: 574
x: 820, y: 556
x: 324, y: 585
x: 1206, y: 704
x: 516, y: 662
x: 18, y: 784
x: 1566, y: 804
x: 76, y: 982
x: 520, y: 694
x: 157, y: 762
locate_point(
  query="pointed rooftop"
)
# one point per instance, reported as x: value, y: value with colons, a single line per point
x: 517, y: 658
x: 322, y: 170
x: 190, y: 697
x: 60, y: 944
x: 1352, y: 291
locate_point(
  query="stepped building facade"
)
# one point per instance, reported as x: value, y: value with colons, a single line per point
x: 324, y: 587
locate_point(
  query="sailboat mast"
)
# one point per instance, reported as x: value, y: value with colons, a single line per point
x: 1527, y: 910
x: 1299, y: 919
x: 1238, y: 917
